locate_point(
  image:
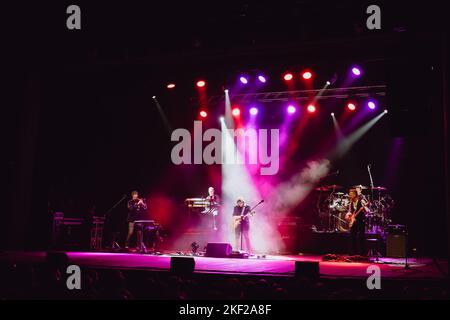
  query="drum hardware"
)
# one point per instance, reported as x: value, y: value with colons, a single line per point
x: 379, y: 188
x: 333, y: 206
x: 360, y: 186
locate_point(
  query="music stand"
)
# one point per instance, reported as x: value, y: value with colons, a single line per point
x: 114, y: 244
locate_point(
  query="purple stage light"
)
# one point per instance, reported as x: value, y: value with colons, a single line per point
x: 356, y: 71
x: 243, y: 80
x: 291, y: 109
x: 262, y: 79
x: 372, y: 105
x: 253, y: 111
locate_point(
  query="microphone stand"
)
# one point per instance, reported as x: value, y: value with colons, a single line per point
x: 114, y: 244
x: 377, y: 253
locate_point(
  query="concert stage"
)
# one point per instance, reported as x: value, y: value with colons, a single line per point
x: 271, y: 265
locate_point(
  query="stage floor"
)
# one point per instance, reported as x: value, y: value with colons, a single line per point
x: 271, y: 265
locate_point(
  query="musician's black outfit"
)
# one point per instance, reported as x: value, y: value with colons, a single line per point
x: 358, y: 229
x: 135, y: 212
x: 243, y: 228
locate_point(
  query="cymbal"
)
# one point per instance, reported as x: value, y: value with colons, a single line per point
x: 379, y: 188
x: 360, y: 186
x: 339, y: 193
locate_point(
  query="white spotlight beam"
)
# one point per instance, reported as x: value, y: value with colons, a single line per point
x: 228, y: 116
x: 346, y: 144
x: 163, y: 116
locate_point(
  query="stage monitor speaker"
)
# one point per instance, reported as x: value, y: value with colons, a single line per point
x: 182, y: 265
x: 218, y: 249
x: 396, y: 246
x: 307, y: 269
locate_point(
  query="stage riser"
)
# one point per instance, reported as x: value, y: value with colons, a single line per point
x: 323, y: 243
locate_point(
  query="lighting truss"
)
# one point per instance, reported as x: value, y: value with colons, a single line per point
x: 301, y: 95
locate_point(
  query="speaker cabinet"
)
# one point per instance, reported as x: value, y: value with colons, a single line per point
x: 218, y: 249
x: 396, y: 245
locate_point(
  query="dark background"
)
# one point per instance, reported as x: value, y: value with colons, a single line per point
x: 81, y: 128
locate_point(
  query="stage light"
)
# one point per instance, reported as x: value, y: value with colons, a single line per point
x: 253, y: 111
x: 385, y: 111
x: 221, y: 118
x: 288, y: 76
x: 236, y: 112
x: 291, y: 109
x: 171, y: 86
x: 262, y: 79
x: 351, y: 107
x: 311, y: 108
x: 243, y: 80
x: 356, y: 71
x: 154, y: 97
x: 332, y: 114
x: 203, y: 114
x: 371, y: 105
x: 307, y: 75
x: 226, y: 90
x: 201, y: 83
x: 328, y: 83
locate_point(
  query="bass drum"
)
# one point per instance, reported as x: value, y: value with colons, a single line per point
x: 342, y: 223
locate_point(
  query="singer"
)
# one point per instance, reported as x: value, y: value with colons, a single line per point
x: 136, y: 208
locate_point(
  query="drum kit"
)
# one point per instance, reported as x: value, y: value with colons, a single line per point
x: 333, y: 205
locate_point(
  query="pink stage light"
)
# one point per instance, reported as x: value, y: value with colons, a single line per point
x: 253, y: 111
x: 203, y: 114
x: 307, y: 75
x: 288, y: 76
x: 236, y: 112
x: 171, y: 86
x: 351, y: 107
x: 311, y: 108
x: 201, y: 83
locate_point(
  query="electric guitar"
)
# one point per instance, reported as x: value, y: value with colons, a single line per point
x: 351, y: 217
x: 238, y: 219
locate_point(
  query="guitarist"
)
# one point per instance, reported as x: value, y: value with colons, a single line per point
x: 358, y: 206
x: 241, y: 223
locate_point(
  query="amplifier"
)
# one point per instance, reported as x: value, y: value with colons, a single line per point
x: 396, y: 241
